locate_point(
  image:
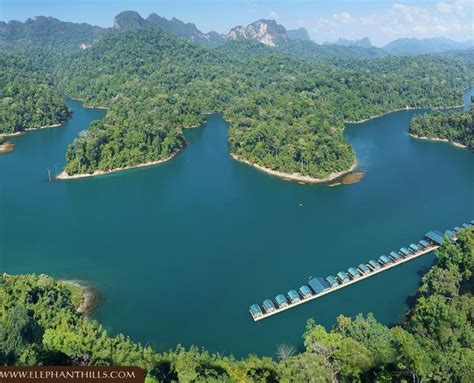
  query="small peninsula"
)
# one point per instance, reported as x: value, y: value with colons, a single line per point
x: 455, y: 127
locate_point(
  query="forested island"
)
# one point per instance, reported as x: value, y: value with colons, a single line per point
x: 286, y: 105
x: 40, y: 325
x: 284, y: 114
x: 454, y: 127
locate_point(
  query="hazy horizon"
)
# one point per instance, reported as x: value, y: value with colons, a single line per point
x: 382, y: 21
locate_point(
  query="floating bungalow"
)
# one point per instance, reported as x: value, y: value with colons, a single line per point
x: 305, y: 292
x: 353, y: 273
x: 374, y: 265
x: 256, y: 312
x: 363, y: 269
x: 414, y: 247
x: 435, y: 237
x: 268, y: 306
x: 281, y: 300
x: 293, y: 296
x: 423, y: 243
x: 384, y: 260
x: 319, y: 286
x: 332, y: 280
x: 395, y: 256
x: 342, y: 277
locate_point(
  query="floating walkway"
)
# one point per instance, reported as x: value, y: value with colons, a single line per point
x: 318, y: 286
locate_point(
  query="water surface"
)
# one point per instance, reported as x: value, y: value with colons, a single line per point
x: 179, y: 251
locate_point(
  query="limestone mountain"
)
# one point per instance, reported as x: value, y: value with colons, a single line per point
x: 267, y: 32
x: 362, y: 43
x: 131, y: 20
x: 298, y: 34
x: 47, y: 32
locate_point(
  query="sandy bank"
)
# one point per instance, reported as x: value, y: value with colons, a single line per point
x: 90, y: 296
x: 399, y: 109
x: 297, y: 176
x: 23, y: 132
x: 7, y: 147
x: 457, y: 144
x: 64, y: 176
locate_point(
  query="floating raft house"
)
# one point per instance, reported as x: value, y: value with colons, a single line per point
x: 319, y: 286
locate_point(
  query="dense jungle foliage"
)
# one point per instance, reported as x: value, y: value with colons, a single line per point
x: 286, y: 107
x: 285, y: 114
x: 39, y: 325
x: 28, y: 98
x: 457, y: 127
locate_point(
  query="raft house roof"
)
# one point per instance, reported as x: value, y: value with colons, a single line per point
x: 332, y: 280
x: 255, y: 310
x: 342, y: 276
x: 414, y: 247
x: 268, y: 305
x: 352, y: 272
x: 318, y: 285
x: 363, y: 268
x: 305, y: 291
x: 374, y: 264
x: 435, y: 236
x: 395, y: 255
x: 293, y: 294
x: 280, y: 300
x: 424, y: 243
x: 404, y: 251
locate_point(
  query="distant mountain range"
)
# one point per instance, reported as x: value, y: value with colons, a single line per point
x: 362, y: 43
x: 412, y: 46
x: 409, y: 46
x: 51, y: 32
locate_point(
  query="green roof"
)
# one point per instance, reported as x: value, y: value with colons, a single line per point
x: 293, y: 294
x: 255, y: 309
x: 280, y: 299
x: 342, y: 276
x: 374, y: 264
x: 352, y: 271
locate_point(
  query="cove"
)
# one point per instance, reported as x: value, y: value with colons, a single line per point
x: 179, y: 251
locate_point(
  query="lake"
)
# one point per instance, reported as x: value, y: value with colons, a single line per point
x: 180, y: 251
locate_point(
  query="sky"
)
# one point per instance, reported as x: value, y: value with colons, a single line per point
x: 380, y: 20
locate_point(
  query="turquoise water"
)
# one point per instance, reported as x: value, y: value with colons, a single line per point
x: 180, y: 251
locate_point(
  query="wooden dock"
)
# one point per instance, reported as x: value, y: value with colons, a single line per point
x: 319, y: 287
x: 342, y: 285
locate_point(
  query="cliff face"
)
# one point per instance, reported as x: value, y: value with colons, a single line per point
x: 267, y: 32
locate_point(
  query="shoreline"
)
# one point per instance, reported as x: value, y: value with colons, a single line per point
x: 400, y: 109
x: 89, y: 295
x: 297, y: 176
x: 84, y: 105
x: 435, y: 139
x: 23, y: 132
x: 7, y: 147
x: 63, y: 176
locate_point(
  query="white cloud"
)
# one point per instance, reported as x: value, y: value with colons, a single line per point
x: 458, y: 6
x: 344, y: 18
x: 445, y: 18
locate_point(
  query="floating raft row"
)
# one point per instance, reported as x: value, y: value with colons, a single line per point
x: 318, y: 286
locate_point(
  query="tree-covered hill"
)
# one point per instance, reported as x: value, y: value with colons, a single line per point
x: 457, y: 127
x: 284, y: 113
x: 39, y: 325
x: 286, y: 105
x: 48, y: 32
x: 28, y: 97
